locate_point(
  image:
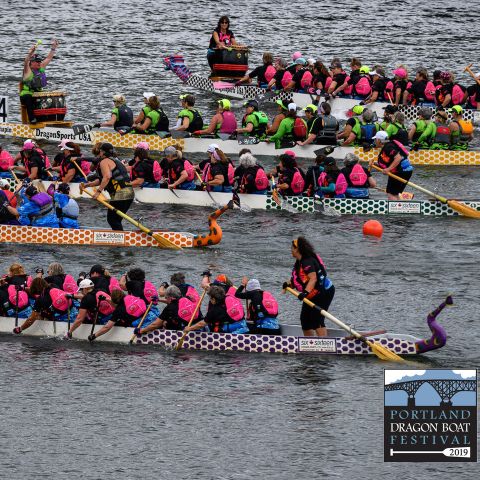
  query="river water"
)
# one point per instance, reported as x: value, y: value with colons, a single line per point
x: 96, y: 412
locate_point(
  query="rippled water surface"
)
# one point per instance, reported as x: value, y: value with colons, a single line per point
x: 113, y: 412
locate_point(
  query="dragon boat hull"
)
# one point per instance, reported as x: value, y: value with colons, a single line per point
x: 194, y: 145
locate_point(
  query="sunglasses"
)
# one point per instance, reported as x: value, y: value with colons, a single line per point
x: 226, y: 23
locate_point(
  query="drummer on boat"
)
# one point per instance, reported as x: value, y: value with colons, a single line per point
x: 34, y: 78
x: 222, y: 38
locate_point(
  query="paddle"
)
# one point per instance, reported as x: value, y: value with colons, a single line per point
x: 205, y: 188
x: 80, y: 129
x: 280, y: 201
x: 197, y: 307
x: 156, y: 236
x: 100, y: 298
x: 469, y: 70
x: 262, y: 97
x: 133, y: 337
x: 379, y: 350
x: 453, y: 204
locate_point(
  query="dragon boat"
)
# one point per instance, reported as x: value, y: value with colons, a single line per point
x: 195, y: 145
x: 291, y: 340
x: 23, y: 234
x: 341, y: 107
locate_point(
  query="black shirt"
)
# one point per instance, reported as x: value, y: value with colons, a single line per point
x: 297, y: 78
x: 101, y: 283
x: 217, y: 315
x: 417, y: 88
x: 89, y: 302
x: 260, y: 73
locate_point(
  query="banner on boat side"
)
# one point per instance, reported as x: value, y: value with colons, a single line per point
x: 317, y: 345
x: 430, y: 415
x: 3, y: 109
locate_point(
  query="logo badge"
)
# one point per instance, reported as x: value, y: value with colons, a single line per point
x: 430, y: 416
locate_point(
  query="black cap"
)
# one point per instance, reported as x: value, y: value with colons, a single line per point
x: 97, y: 268
x: 251, y: 103
x: 329, y: 161
x: 390, y: 109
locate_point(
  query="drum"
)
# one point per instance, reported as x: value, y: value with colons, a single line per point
x: 231, y: 63
x: 50, y: 106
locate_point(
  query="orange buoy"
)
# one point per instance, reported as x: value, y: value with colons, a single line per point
x: 373, y: 227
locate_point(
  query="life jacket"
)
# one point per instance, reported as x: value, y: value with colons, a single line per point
x: 70, y: 210
x: 114, y: 285
x: 298, y: 183
x: 6, y: 160
x: 190, y: 169
x: 270, y: 73
x: 458, y: 94
x: 134, y: 306
x: 306, y: 81
x: 85, y: 166
x: 286, y: 79
x: 186, y: 308
x: 229, y: 122
x: 261, y: 128
x: 442, y: 135
x: 328, y: 82
x: 197, y: 121
x: 330, y: 126
x: 300, y: 279
x: 45, y: 202
x: 349, y: 88
x: 430, y: 91
x: 341, y: 184
x: 36, y: 82
x: 261, y: 179
x: 59, y: 300
x: 22, y: 297
x: 104, y: 306
x: 190, y: 292
x: 125, y: 117
x: 472, y: 99
x: 226, y: 38
x: 402, y: 147
x: 163, y: 124
x: 270, y: 304
x: 388, y: 92
x: 368, y: 131
x: 43, y: 164
x: 234, y: 308
x: 299, y: 130
x: 120, y: 177
x: 70, y: 284
x: 466, y: 127
x: 149, y: 291
x: 401, y: 135
x: 230, y: 173
x: 363, y: 87
x: 357, y: 176
x: 410, y: 97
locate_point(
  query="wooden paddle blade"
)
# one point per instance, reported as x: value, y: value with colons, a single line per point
x: 165, y: 243
x: 463, y: 209
x: 383, y: 353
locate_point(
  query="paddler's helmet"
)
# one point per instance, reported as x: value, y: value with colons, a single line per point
x: 87, y: 283
x: 225, y: 103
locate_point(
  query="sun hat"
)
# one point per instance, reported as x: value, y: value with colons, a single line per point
x: 225, y: 103
x: 28, y: 145
x: 253, y: 284
x: 296, y: 55
x: 87, y: 283
x: 292, y: 106
x: 364, y: 69
x: 290, y: 153
x: 148, y: 95
x: 281, y: 103
x: 143, y: 145
x: 400, y: 72
x: 212, y: 147
x: 381, y: 135
x: 456, y: 109
x: 170, y: 151
x: 66, y: 147
x: 358, y: 109
x: 300, y: 61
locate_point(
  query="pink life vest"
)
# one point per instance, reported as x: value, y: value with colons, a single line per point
x: 190, y: 169
x: 430, y: 91
x: 298, y: 183
x: 306, y: 81
x: 104, y: 306
x: 458, y: 94
x: 6, y: 160
x: 261, y: 179
x: 157, y: 171
x: 270, y: 73
x: 149, y: 291
x: 59, y: 300
x: 402, y: 147
x: 363, y: 86
x: 192, y: 294
x: 286, y: 79
x: 341, y: 184
x: 206, y: 171
x: 22, y: 297
x: 473, y: 101
x: 349, y: 88
x: 134, y: 306
x: 270, y: 304
x: 229, y: 122
x: 234, y: 308
x: 114, y: 285
x: 186, y: 308
x: 85, y: 166
x: 388, y: 92
x: 69, y: 284
x: 357, y: 176
x: 297, y: 281
x: 328, y: 82
x: 231, y: 173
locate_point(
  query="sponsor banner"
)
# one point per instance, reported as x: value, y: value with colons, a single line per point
x: 430, y: 415
x: 404, y: 207
x: 107, y: 237
x: 52, y: 133
x: 317, y: 345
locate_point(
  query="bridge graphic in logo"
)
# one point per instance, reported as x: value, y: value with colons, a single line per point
x: 430, y: 415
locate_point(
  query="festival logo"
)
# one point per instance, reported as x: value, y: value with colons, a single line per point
x: 430, y: 416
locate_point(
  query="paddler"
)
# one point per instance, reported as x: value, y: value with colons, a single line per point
x: 8, y: 212
x: 393, y: 157
x: 34, y: 78
x: 66, y: 208
x: 122, y: 115
x: 282, y: 113
x: 309, y: 277
x: 189, y: 118
x: 264, y: 73
x: 461, y: 131
x: 155, y: 121
x: 37, y: 208
x: 222, y: 123
x: 114, y: 178
x: 254, y: 122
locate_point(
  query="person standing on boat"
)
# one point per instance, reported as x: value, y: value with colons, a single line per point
x: 189, y: 118
x: 34, y: 78
x: 309, y: 277
x: 393, y: 157
x: 114, y: 178
x: 222, y: 38
x: 37, y: 208
x: 223, y: 123
x: 262, y: 307
x: 122, y: 115
x: 51, y: 303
